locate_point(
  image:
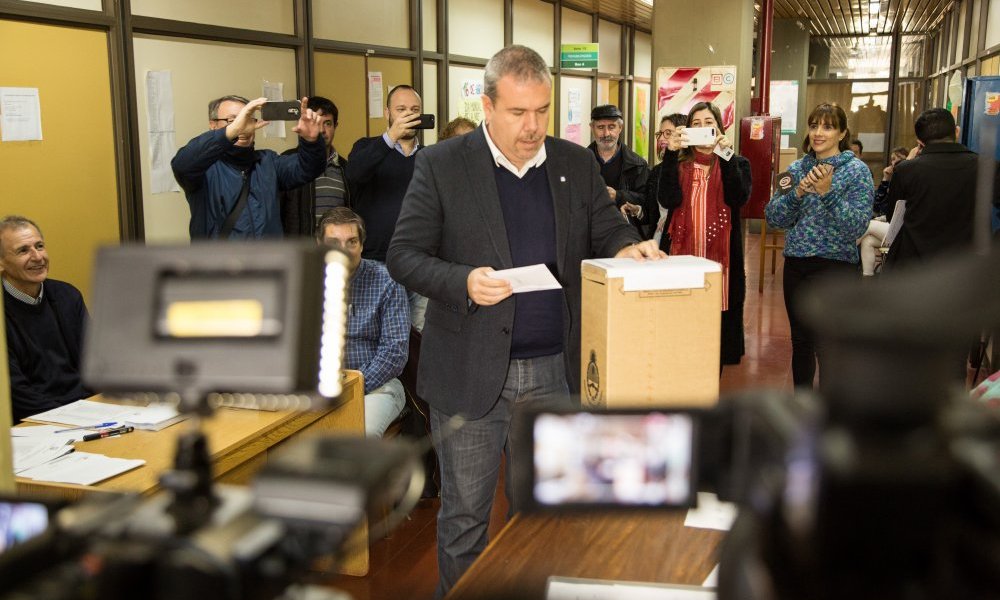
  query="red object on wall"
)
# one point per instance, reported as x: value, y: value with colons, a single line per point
x: 760, y: 143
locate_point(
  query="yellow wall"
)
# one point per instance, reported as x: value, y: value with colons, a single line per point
x: 332, y: 72
x: 6, y: 460
x: 66, y: 182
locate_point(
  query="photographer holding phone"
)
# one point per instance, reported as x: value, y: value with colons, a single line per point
x: 824, y: 214
x: 231, y: 188
x: 379, y: 173
x: 704, y: 185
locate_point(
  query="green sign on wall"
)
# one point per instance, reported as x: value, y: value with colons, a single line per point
x: 578, y: 56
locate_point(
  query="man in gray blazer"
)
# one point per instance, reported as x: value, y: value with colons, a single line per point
x: 502, y: 196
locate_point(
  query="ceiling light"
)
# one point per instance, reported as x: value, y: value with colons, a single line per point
x: 873, y: 8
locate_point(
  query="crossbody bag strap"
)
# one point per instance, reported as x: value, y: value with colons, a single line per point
x: 241, y: 205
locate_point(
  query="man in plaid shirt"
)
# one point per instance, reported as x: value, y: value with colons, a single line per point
x: 378, y: 321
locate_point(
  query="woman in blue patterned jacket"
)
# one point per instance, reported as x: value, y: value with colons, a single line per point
x: 823, y: 215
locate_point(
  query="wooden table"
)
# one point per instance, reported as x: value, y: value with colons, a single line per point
x: 239, y: 442
x: 647, y: 546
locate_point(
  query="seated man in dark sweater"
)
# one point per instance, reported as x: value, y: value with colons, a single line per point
x: 44, y: 319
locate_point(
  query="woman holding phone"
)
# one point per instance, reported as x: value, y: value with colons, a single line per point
x: 823, y: 215
x: 704, y: 185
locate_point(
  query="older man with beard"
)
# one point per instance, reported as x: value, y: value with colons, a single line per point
x: 624, y: 172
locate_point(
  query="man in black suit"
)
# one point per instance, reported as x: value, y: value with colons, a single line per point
x: 502, y: 196
x: 939, y: 186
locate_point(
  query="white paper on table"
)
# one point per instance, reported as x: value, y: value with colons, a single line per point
x: 711, y: 513
x: 713, y: 578
x: 569, y: 588
x: 160, y: 126
x: 274, y: 92
x: 20, y: 114
x: 84, y: 413
x: 375, y: 94
x: 81, y: 468
x: 32, y: 451
x: 153, y: 417
x: 534, y: 278
x: 48, y: 431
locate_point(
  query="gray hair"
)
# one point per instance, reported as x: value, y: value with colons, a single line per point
x: 213, y: 106
x: 520, y: 61
x: 15, y: 222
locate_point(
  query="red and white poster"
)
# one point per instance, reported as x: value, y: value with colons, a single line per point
x: 680, y: 88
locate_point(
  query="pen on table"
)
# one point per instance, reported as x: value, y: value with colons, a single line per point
x: 107, y: 433
x: 97, y: 426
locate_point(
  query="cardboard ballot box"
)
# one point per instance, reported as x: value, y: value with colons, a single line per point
x: 650, y: 332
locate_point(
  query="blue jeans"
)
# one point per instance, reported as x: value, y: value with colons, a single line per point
x: 382, y: 406
x: 470, y: 461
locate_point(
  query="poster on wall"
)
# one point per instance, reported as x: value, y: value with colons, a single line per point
x: 471, y: 106
x: 574, y: 117
x: 680, y: 88
x: 785, y: 104
x: 160, y: 126
x: 374, y: 94
x: 20, y: 114
x: 640, y: 120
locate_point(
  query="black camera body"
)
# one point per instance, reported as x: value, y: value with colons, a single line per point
x: 256, y: 543
x: 885, y: 484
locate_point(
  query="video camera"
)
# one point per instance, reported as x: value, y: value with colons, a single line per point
x: 884, y: 485
x: 201, y: 325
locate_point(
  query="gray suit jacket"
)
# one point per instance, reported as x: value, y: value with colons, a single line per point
x: 451, y: 223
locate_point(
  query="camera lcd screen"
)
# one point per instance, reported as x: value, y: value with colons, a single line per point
x: 642, y: 459
x: 20, y: 522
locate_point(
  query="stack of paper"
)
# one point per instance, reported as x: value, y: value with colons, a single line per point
x: 31, y: 452
x: 154, y: 417
x: 83, y: 413
x: 81, y: 468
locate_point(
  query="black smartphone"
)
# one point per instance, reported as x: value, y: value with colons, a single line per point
x: 425, y: 122
x: 281, y: 111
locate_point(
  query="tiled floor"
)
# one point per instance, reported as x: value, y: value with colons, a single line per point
x: 404, y: 566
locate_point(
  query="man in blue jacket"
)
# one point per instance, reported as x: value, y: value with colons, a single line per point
x: 231, y: 188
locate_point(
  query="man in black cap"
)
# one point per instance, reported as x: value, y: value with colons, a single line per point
x: 624, y: 172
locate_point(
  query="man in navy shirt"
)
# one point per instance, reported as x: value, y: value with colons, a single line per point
x: 44, y: 320
x: 503, y: 196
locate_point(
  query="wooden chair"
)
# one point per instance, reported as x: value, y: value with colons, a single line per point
x: 774, y: 246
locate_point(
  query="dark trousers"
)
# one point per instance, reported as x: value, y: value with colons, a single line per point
x: 800, y: 274
x: 470, y: 461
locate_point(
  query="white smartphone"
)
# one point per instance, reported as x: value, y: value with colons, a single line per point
x: 699, y: 136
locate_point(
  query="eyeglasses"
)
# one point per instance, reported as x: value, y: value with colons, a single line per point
x: 660, y: 134
x: 230, y: 120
